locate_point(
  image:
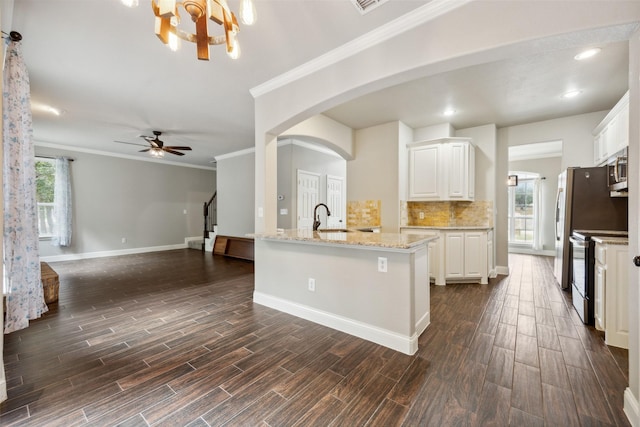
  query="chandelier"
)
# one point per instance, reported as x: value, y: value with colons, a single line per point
x: 168, y: 21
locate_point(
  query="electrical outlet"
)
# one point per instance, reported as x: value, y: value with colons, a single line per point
x: 124, y: 240
x: 421, y: 215
x: 312, y: 284
x: 382, y: 264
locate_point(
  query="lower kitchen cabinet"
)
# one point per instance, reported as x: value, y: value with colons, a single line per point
x: 466, y: 255
x: 611, y: 309
x: 458, y: 255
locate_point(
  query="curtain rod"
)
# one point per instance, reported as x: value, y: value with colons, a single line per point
x: 52, y: 157
x: 531, y: 179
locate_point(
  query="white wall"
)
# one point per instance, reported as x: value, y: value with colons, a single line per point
x: 373, y: 173
x: 575, y: 132
x: 549, y: 168
x: 235, y: 182
x: 138, y: 200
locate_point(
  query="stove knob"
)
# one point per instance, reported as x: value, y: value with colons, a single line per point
x: 636, y: 260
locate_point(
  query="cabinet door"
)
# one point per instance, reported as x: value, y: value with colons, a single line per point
x: 434, y: 259
x: 471, y: 173
x: 458, y: 170
x: 475, y: 245
x: 616, y: 297
x: 622, y: 139
x: 454, y: 255
x: 611, y: 138
x: 424, y: 173
x: 490, y: 262
x: 598, y: 303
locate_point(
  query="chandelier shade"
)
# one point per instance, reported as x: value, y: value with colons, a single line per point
x: 200, y: 11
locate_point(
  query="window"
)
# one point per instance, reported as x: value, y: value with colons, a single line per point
x: 45, y: 184
x: 522, y: 210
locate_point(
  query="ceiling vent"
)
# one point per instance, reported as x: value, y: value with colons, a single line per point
x: 365, y: 6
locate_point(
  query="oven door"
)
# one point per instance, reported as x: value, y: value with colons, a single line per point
x: 580, y: 279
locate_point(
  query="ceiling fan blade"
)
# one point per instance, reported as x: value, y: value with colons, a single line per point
x: 168, y: 150
x: 130, y: 143
x: 175, y: 147
x: 145, y: 150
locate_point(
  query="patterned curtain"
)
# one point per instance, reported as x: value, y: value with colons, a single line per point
x: 62, y: 204
x: 23, y: 286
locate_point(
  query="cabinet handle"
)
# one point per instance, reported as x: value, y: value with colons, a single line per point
x: 636, y: 260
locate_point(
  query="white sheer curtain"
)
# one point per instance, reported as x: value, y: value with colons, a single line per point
x: 537, y: 212
x: 23, y: 286
x: 62, y: 204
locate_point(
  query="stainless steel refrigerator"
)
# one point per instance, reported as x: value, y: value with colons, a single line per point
x: 584, y: 202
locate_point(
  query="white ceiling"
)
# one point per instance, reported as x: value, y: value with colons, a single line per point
x: 102, y: 64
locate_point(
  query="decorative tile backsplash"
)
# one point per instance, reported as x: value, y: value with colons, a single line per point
x: 447, y: 214
x: 363, y: 213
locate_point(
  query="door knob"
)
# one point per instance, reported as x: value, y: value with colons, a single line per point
x: 636, y: 260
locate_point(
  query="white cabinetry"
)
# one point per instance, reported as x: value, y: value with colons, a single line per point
x: 458, y: 255
x: 611, y: 309
x: 612, y: 134
x: 466, y: 255
x: 442, y: 169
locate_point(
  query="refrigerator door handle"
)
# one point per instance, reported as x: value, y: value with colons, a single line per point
x: 558, y: 211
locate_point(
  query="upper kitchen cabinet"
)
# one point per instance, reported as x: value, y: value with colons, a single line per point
x: 612, y: 134
x: 442, y: 169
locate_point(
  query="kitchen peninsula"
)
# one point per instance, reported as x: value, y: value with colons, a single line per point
x: 371, y: 285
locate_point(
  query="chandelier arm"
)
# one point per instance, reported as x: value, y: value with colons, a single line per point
x: 213, y: 40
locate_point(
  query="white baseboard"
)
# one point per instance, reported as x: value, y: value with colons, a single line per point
x: 502, y: 270
x: 529, y: 251
x: 103, y: 254
x: 631, y: 408
x: 3, y: 390
x: 404, y: 344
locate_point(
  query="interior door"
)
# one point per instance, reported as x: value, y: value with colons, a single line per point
x: 337, y: 202
x: 308, y: 195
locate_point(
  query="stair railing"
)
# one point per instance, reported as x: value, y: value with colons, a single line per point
x: 210, y: 212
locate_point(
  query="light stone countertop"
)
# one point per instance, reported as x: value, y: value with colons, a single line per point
x: 611, y: 240
x: 351, y: 238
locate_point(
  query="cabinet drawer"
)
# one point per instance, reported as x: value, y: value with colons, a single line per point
x: 601, y: 254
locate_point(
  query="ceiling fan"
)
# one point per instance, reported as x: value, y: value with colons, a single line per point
x: 156, y: 146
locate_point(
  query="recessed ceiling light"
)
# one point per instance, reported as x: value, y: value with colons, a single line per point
x: 449, y: 112
x: 571, y: 94
x: 587, y: 53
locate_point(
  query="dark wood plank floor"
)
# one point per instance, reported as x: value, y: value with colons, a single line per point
x: 173, y: 338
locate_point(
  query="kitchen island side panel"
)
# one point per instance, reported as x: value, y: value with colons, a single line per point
x: 390, y: 308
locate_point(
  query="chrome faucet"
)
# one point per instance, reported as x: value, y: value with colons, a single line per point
x: 316, y: 219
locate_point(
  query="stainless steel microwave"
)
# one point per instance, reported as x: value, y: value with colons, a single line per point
x: 617, y: 175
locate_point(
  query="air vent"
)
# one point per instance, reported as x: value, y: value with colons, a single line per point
x: 365, y: 6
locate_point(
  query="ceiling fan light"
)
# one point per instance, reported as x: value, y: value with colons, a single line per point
x: 248, y: 12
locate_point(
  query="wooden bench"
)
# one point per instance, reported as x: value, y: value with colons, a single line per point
x: 235, y: 247
x: 50, y: 283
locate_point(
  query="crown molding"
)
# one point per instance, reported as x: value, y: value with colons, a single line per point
x: 400, y: 25
x: 122, y: 156
x: 236, y: 154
